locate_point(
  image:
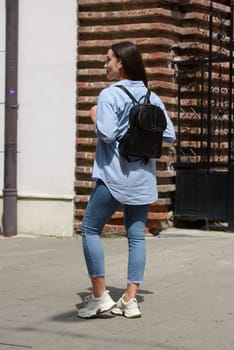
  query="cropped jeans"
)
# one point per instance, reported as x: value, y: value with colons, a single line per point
x: 100, y: 208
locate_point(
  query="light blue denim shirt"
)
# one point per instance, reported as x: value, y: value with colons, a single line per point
x: 129, y: 182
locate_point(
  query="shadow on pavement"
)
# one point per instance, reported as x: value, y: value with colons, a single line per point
x: 116, y: 293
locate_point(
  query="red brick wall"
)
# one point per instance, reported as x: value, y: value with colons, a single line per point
x: 164, y: 30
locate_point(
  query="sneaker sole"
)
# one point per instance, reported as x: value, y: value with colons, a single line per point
x: 117, y: 312
x: 98, y: 312
x: 132, y: 316
x: 122, y: 313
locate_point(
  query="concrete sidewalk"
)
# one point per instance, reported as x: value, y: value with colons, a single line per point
x: 187, y: 300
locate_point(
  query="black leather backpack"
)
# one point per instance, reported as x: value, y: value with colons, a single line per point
x: 145, y: 129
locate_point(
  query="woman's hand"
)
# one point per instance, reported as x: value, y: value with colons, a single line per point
x: 92, y: 113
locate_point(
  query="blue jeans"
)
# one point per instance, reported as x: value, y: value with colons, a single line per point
x: 100, y: 208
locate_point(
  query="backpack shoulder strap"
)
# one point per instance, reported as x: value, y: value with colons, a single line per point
x: 146, y: 97
x: 128, y: 93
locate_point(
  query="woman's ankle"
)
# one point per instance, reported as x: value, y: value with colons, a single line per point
x: 131, y: 291
x: 99, y: 287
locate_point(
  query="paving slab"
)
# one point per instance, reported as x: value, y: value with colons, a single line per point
x: 187, y: 300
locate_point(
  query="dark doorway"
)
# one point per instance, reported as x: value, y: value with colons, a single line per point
x: 205, y: 143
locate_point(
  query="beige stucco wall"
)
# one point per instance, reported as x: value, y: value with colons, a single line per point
x: 46, y: 137
x: 45, y: 216
x: 46, y: 116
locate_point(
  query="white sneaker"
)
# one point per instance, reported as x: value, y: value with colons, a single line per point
x: 128, y: 309
x: 95, y: 306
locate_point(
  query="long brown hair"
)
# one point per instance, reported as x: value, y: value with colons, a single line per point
x: 131, y: 60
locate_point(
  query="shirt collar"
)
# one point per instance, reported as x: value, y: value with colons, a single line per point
x: 127, y: 82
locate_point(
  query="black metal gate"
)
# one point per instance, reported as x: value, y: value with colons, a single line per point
x: 205, y: 138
